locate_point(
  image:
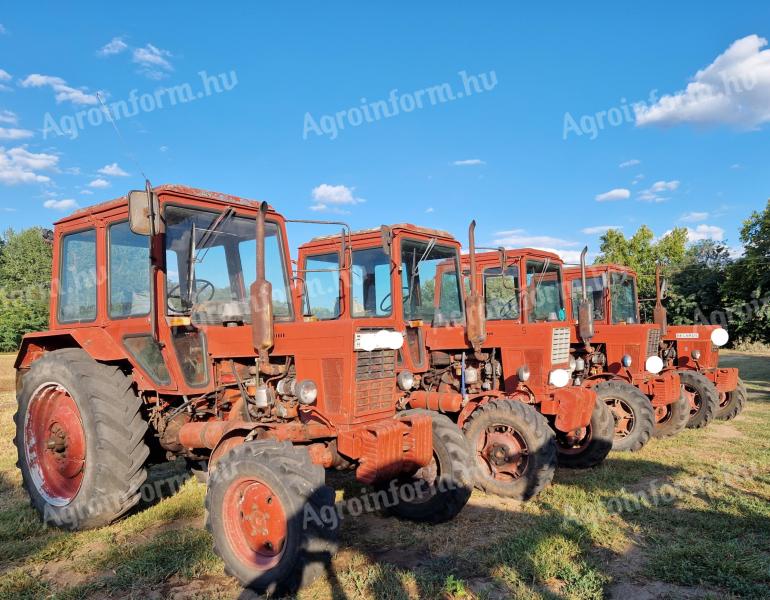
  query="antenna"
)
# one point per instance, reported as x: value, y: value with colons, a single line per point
x: 121, y: 138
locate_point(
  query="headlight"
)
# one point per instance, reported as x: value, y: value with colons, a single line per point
x: 695, y: 354
x: 719, y: 337
x: 627, y: 360
x: 306, y: 391
x: 405, y: 380
x: 654, y: 364
x: 559, y: 378
x: 523, y: 373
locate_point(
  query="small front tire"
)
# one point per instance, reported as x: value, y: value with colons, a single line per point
x: 595, y: 443
x: 703, y: 397
x: 734, y: 403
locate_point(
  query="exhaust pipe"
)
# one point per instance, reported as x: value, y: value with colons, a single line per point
x: 585, y: 312
x: 660, y: 316
x: 476, y: 320
x: 261, y: 296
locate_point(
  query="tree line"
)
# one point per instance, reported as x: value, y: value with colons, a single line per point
x: 706, y: 285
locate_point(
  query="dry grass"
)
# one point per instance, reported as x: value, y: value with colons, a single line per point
x: 687, y: 517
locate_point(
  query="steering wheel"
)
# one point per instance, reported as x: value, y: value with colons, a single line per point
x: 383, y: 308
x: 201, y: 285
x: 510, y: 309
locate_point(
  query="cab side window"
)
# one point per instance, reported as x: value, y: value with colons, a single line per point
x: 322, y: 286
x: 129, y: 260
x: 77, y: 277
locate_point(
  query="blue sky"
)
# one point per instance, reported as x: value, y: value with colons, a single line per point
x: 517, y: 155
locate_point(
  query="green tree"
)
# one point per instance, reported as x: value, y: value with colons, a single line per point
x: 25, y: 275
x: 642, y: 252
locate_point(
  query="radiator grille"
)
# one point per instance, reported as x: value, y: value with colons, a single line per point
x: 332, y: 373
x: 375, y: 381
x: 560, y: 345
x: 653, y: 342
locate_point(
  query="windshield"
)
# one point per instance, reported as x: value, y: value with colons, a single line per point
x: 421, y: 263
x: 225, y: 264
x: 595, y: 293
x: 623, y: 290
x: 544, y: 291
x: 501, y: 293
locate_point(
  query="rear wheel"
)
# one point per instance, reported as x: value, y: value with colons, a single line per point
x: 271, y: 516
x: 732, y: 404
x: 438, y: 491
x: 80, y: 440
x: 591, y: 445
x: 673, y: 418
x: 514, y: 448
x: 632, y: 411
x: 703, y: 398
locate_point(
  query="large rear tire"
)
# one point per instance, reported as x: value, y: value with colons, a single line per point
x: 703, y: 397
x: 80, y: 440
x: 514, y: 449
x: 271, y: 516
x: 734, y: 403
x: 594, y: 444
x: 633, y: 414
x: 674, y: 420
x: 440, y: 490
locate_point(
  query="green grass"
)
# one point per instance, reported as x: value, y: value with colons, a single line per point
x: 686, y: 516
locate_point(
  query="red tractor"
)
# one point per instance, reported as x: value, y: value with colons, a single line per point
x: 174, y: 329
x: 522, y: 299
x: 620, y: 348
x: 692, y: 351
x: 412, y: 274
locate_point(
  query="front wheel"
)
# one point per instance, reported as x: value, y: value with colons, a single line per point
x: 515, y: 450
x: 632, y: 411
x: 673, y: 418
x: 703, y: 397
x: 438, y: 491
x: 271, y: 516
x: 733, y: 402
x: 591, y: 445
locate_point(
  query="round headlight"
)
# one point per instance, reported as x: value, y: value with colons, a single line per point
x: 719, y: 337
x: 654, y: 364
x: 627, y: 360
x: 306, y: 391
x: 405, y: 380
x: 523, y: 373
x: 559, y: 378
x: 695, y: 354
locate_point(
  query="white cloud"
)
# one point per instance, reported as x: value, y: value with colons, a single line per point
x: 15, y: 134
x: 3, y: 30
x: 63, y: 92
x: 599, y: 229
x: 153, y: 61
x: 519, y: 238
x: 736, y: 166
x: 430, y: 209
x: 470, y: 162
x: 652, y: 193
x: 99, y: 183
x: 694, y: 217
x: 86, y: 192
x: 113, y: 170
x: 615, y: 194
x: 18, y: 165
x: 330, y: 197
x: 115, y: 46
x: 733, y: 90
x: 8, y: 117
x: 630, y: 163
x: 705, y: 232
x: 5, y: 76
x: 637, y: 179
x: 66, y: 204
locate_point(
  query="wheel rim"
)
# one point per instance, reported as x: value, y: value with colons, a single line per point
x: 724, y: 399
x: 574, y: 442
x: 55, y: 444
x: 503, y: 452
x: 663, y: 414
x: 693, y: 397
x: 255, y: 523
x: 624, y: 417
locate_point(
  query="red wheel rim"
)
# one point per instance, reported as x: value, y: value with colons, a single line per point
x: 55, y: 444
x: 502, y: 452
x: 663, y: 414
x: 724, y: 399
x: 575, y: 442
x: 693, y: 398
x: 624, y: 417
x: 255, y: 523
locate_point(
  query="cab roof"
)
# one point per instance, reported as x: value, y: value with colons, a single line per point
x: 171, y: 188
x: 516, y: 253
x: 601, y: 268
x: 375, y: 231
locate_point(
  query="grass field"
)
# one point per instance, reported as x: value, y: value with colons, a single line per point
x: 683, y: 518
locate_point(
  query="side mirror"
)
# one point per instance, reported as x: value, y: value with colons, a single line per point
x: 144, y: 213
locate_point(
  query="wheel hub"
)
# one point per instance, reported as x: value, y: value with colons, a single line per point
x: 55, y: 444
x: 693, y: 398
x: 504, y: 452
x: 624, y: 417
x: 256, y: 523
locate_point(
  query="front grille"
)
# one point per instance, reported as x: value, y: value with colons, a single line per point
x: 375, y: 382
x: 653, y: 342
x: 560, y: 345
x: 332, y: 372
